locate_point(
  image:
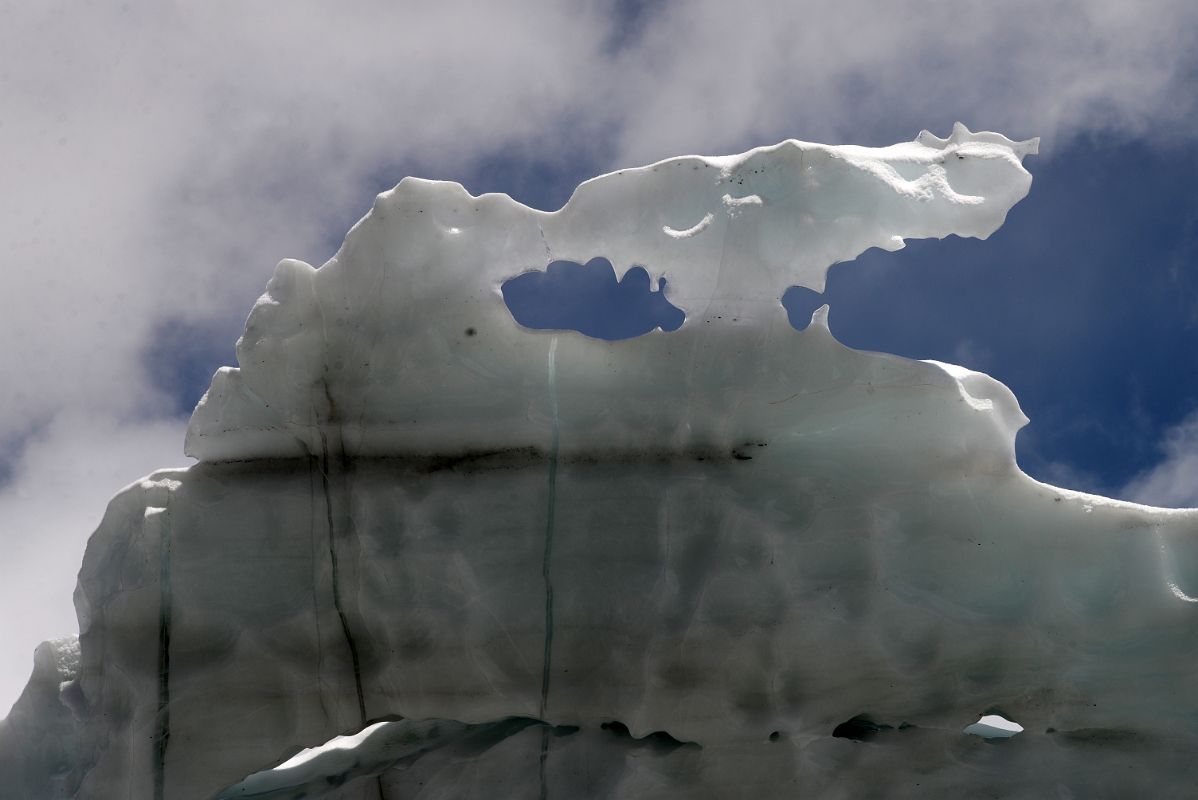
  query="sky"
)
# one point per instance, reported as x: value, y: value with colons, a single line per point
x: 158, y: 159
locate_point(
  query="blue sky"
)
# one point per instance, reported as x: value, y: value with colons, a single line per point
x: 150, y: 187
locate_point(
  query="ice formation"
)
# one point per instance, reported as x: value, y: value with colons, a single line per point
x: 733, y: 560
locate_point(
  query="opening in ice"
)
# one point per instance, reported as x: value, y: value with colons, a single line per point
x: 800, y: 303
x: 589, y: 299
x: 860, y: 729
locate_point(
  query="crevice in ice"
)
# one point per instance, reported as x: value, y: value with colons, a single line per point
x: 994, y: 727
x: 588, y: 298
x: 547, y: 562
x: 162, y: 733
x: 335, y: 579
x: 661, y: 742
x: 860, y: 728
x: 315, y: 554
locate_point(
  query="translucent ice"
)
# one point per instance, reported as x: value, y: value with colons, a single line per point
x: 732, y: 560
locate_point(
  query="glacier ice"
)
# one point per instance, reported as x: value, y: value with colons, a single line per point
x: 451, y: 556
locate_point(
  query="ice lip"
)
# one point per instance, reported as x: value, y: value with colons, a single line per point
x: 370, y: 353
x: 961, y: 135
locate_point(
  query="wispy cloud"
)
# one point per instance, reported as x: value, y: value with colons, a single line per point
x: 60, y: 485
x: 708, y: 73
x: 1173, y: 482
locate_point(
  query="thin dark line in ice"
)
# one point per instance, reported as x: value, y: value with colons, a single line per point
x: 546, y: 564
x: 163, y: 721
x: 341, y: 615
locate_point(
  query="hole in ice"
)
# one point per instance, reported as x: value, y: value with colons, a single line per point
x: 589, y: 299
x: 994, y: 726
x: 800, y: 303
x: 659, y: 741
x: 860, y: 729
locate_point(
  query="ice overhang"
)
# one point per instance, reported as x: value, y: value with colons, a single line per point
x: 401, y: 344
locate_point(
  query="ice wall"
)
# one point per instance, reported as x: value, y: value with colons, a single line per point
x: 733, y: 560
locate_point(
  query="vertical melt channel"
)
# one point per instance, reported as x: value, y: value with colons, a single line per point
x: 546, y: 563
x: 157, y: 517
x: 325, y: 466
x: 315, y: 550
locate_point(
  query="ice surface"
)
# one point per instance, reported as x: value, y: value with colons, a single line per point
x: 732, y: 560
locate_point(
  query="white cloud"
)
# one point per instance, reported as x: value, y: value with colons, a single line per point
x: 63, y: 481
x: 709, y: 73
x: 159, y: 158
x: 1173, y: 482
